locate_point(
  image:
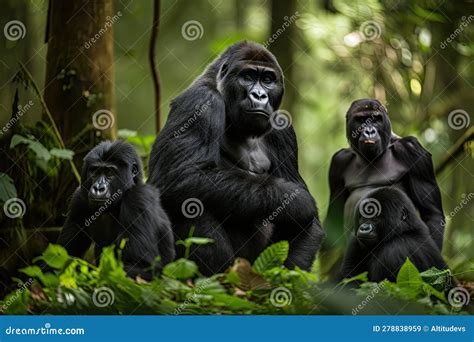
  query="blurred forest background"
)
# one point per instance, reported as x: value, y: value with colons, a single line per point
x: 416, y: 57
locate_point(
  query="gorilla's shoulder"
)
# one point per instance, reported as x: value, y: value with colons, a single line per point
x: 343, y: 156
x: 410, y: 145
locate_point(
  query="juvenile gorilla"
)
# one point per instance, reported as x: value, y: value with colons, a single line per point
x: 112, y: 203
x: 388, y: 231
x: 225, y: 150
x: 377, y: 158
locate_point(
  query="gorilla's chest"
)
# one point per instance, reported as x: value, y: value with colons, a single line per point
x: 250, y: 155
x: 104, y: 229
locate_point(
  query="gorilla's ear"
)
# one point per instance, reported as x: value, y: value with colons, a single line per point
x: 404, y: 214
x: 135, y: 173
x: 223, y: 70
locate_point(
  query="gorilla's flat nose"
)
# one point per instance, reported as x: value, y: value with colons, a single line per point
x: 370, y: 132
x: 259, y: 97
x: 99, y: 189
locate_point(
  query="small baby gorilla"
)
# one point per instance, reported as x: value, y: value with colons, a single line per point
x: 388, y: 230
x: 113, y: 203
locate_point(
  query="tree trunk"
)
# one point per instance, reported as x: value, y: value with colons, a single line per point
x: 283, y: 34
x: 80, y: 70
x: 79, y: 84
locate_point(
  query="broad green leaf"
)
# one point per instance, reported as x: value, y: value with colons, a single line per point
x: 7, y: 188
x: 233, y: 302
x: 273, y: 256
x: 199, y: 241
x: 360, y: 277
x: 409, y: 280
x: 40, y: 151
x: 181, y: 269
x: 54, y: 256
x: 62, y: 153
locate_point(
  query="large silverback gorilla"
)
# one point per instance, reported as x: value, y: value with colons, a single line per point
x: 220, y: 152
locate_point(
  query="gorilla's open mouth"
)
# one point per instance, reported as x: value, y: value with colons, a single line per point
x: 370, y: 142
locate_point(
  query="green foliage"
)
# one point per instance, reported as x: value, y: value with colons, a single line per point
x: 73, y: 286
x: 7, y: 187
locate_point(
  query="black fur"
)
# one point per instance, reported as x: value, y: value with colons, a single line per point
x: 398, y: 233
x: 133, y: 212
x: 387, y: 161
x: 197, y: 156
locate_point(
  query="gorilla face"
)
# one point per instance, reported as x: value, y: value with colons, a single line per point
x: 251, y: 84
x: 368, y: 128
x: 394, y: 214
x: 109, y: 170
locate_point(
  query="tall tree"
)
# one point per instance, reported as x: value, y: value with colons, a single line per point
x: 79, y: 84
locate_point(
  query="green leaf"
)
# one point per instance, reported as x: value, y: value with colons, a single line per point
x: 181, y: 269
x: 360, y: 277
x: 273, y: 256
x: 62, y: 153
x: 35, y: 146
x: 54, y: 256
x: 199, y: 241
x: 233, y: 302
x: 7, y: 187
x: 409, y: 280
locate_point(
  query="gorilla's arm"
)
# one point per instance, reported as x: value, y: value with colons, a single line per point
x: 334, y: 221
x: 355, y: 260
x: 422, y: 186
x: 390, y: 256
x: 147, y: 228
x: 189, y: 162
x: 73, y: 236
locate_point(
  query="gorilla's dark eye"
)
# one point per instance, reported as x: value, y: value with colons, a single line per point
x: 268, y: 79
